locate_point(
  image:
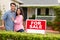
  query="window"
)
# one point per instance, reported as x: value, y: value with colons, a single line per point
x: 47, y: 11
x: 38, y: 11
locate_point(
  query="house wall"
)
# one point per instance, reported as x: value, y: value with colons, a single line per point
x: 4, y: 5
x: 58, y: 1
x: 30, y: 12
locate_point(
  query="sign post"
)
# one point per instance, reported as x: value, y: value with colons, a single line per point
x: 36, y: 26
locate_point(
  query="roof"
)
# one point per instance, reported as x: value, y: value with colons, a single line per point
x: 26, y: 3
x: 40, y: 2
x: 17, y: 1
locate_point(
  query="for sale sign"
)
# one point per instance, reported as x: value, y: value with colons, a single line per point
x: 36, y: 26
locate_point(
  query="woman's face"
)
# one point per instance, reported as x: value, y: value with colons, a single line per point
x: 18, y: 11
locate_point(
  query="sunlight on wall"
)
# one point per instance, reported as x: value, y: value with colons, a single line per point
x: 58, y: 1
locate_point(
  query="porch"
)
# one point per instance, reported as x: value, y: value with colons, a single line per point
x: 40, y: 13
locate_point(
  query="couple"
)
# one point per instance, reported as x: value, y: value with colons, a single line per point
x: 13, y: 20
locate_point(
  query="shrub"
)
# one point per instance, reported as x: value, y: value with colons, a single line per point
x: 57, y: 19
x: 27, y: 36
x: 49, y: 23
x: 0, y: 16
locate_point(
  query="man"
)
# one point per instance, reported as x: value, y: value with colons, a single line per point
x: 7, y: 22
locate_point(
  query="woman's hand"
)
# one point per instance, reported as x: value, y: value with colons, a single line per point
x: 12, y: 18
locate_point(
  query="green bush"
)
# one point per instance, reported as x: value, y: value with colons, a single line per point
x: 27, y: 36
x: 57, y: 19
x: 0, y: 17
x: 0, y: 14
x: 49, y: 23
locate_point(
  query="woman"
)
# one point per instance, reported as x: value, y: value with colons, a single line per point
x: 18, y: 26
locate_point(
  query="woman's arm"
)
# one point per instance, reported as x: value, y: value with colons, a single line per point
x: 12, y: 19
x: 15, y: 21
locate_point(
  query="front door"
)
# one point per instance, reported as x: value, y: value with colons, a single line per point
x: 25, y: 13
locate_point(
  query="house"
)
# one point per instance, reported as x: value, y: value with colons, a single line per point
x: 39, y: 8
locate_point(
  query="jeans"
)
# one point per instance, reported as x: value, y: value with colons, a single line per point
x: 21, y: 30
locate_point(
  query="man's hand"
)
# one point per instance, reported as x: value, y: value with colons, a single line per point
x: 3, y: 26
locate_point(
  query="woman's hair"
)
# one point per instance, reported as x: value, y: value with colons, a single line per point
x: 21, y: 10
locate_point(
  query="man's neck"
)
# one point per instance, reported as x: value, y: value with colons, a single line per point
x: 12, y: 11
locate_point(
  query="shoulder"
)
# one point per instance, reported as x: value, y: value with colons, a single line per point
x: 21, y: 16
x: 7, y: 12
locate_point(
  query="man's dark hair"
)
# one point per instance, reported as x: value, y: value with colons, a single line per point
x: 13, y: 4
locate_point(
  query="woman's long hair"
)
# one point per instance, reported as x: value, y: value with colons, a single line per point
x: 21, y: 10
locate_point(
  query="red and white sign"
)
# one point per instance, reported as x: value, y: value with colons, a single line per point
x: 36, y: 26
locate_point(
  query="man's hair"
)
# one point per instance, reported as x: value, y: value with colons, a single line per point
x: 13, y: 4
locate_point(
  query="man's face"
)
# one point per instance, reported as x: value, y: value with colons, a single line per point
x: 13, y: 7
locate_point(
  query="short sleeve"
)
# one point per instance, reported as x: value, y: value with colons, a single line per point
x: 4, y: 17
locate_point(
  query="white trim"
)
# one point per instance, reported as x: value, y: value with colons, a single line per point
x: 35, y: 13
x: 46, y: 16
x: 53, y: 17
x: 25, y: 5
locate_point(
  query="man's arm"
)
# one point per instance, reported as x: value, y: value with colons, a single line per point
x: 3, y: 19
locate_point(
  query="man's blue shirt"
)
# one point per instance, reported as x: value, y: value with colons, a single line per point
x: 7, y: 17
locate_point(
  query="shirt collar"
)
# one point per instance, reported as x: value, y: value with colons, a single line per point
x: 12, y: 11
